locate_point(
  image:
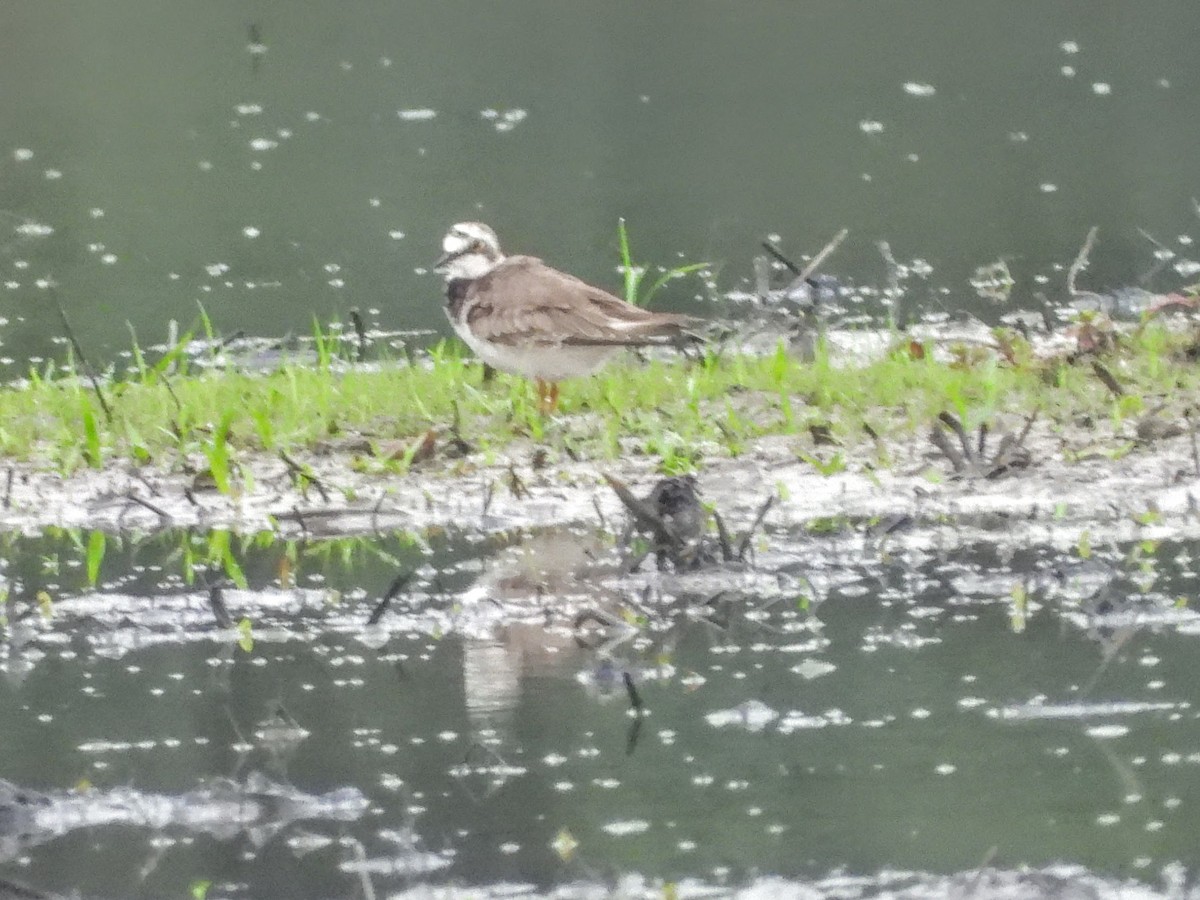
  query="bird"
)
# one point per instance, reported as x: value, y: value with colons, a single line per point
x: 522, y: 316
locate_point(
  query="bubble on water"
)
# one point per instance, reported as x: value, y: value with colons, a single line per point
x: 262, y: 144
x: 284, y: 133
x: 35, y: 229
x: 812, y: 668
x: 870, y: 126
x: 946, y: 769
x: 1047, y: 187
x: 22, y: 154
x: 1107, y: 819
x: 204, y: 165
x: 216, y: 269
x: 563, y: 786
x: 256, y: 166
x: 1069, y: 47
x: 332, y: 268
x: 109, y: 259
x: 52, y: 174
x: 913, y: 157
x: 1164, y: 83
x: 312, y: 116
x: 12, y: 285
x: 248, y: 109
x: 396, y: 235
x: 509, y: 848
x: 1187, y: 267
x: 251, y: 232
x: 417, y: 114
x: 920, y: 713
x: 1068, y: 71
x: 1108, y: 731
x: 96, y: 212
x: 625, y: 828
x: 1018, y: 137
x: 919, y: 89
x: 346, y: 65
x: 1101, y: 88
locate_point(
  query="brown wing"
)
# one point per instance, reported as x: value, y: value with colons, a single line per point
x: 523, y: 300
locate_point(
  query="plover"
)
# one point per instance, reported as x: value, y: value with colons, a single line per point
x: 522, y: 316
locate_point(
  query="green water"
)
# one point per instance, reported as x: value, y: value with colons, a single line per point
x: 888, y: 717
x: 130, y: 128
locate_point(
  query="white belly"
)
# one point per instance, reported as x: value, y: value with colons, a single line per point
x: 549, y: 362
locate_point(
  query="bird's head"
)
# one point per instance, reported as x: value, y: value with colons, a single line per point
x: 469, y: 250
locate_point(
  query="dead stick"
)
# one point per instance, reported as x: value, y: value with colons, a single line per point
x: 216, y: 603
x: 1081, y: 261
x: 1191, y: 430
x: 635, y: 699
x: 360, y: 331
x: 1108, y: 379
x: 778, y: 255
x: 1033, y: 417
x: 62, y: 314
x: 828, y: 249
x: 744, y: 546
x: 9, y: 480
x: 956, y: 426
x: 157, y: 510
x: 393, y: 591
x: 303, y: 472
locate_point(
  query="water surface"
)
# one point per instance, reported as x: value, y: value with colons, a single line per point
x: 276, y: 161
x: 834, y: 709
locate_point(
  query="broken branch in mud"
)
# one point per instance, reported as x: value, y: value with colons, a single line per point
x: 635, y: 700
x: 398, y: 584
x: 216, y: 603
x: 780, y: 258
x: 66, y: 323
x: 1081, y: 263
x: 823, y: 254
x: 744, y: 544
x: 1189, y: 414
x: 303, y: 476
x: 803, y: 274
x: 157, y: 510
x: 360, y: 332
x: 967, y: 461
x: 1108, y: 379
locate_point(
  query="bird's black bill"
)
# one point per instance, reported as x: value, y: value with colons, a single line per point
x: 447, y: 258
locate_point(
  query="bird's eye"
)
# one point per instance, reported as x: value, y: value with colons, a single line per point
x: 477, y: 247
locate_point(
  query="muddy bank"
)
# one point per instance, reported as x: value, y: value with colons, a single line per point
x: 1071, y: 481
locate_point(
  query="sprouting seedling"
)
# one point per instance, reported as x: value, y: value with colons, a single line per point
x: 218, y: 452
x: 97, y: 542
x: 634, y: 274
x: 245, y: 631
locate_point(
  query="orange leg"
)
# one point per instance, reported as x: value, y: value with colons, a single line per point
x: 547, y: 392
